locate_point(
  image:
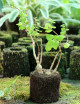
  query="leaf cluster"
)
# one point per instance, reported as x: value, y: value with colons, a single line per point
x: 54, y: 41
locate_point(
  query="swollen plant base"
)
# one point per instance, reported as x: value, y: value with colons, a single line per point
x: 44, y: 88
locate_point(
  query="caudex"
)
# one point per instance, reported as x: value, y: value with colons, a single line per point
x: 54, y: 41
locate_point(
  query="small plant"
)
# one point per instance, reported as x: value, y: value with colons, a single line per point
x: 7, y: 90
x: 54, y: 41
x: 45, y: 85
x: 32, y: 29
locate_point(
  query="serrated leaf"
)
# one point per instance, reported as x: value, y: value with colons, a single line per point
x: 52, y: 44
x: 49, y: 45
x: 34, y: 33
x: 49, y: 37
x: 48, y: 26
x: 62, y: 32
x: 55, y: 44
x: 21, y: 27
x: 55, y: 37
x: 45, y: 13
x: 62, y: 29
x: 1, y: 93
x: 30, y: 17
x: 13, y: 15
x: 60, y: 37
x: 66, y: 45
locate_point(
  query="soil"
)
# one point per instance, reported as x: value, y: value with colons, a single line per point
x: 44, y: 88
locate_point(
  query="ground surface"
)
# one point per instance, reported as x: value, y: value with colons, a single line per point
x: 69, y: 94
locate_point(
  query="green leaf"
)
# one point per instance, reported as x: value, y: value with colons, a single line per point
x: 21, y: 27
x: 48, y: 26
x: 52, y: 44
x: 3, y: 19
x: 66, y: 45
x: 62, y: 32
x: 13, y: 15
x: 65, y: 1
x: 34, y: 33
x: 48, y: 30
x: 55, y: 44
x: 7, y: 9
x: 1, y: 93
x: 60, y: 37
x: 49, y: 37
x: 73, y: 20
x: 62, y: 29
x: 30, y: 17
x: 55, y: 37
x: 49, y: 45
x: 45, y: 13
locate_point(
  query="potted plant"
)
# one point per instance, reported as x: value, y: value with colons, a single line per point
x: 44, y: 84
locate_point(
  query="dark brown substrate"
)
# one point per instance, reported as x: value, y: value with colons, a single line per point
x: 44, y: 88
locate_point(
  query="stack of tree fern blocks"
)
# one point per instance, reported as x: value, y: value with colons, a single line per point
x: 15, y: 61
x: 5, y: 37
x: 74, y: 72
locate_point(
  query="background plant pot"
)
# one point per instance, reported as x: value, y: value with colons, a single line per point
x: 74, y: 72
x: 44, y: 88
x: 15, y: 61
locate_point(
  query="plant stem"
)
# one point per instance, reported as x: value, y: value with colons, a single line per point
x: 39, y: 67
x: 7, y: 25
x: 33, y: 44
x: 38, y: 48
x: 67, y: 37
x: 41, y: 52
x: 54, y: 32
x: 58, y: 62
x: 54, y: 61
